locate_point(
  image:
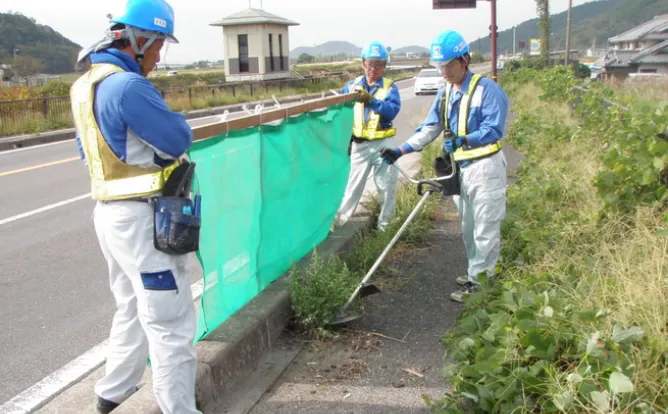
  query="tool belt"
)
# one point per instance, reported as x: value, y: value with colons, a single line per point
x: 443, y: 166
x: 177, y: 221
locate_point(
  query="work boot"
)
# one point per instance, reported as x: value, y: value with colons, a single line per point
x: 105, y: 406
x: 459, y: 295
x: 462, y: 280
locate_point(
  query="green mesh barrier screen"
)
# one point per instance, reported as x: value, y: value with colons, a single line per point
x: 269, y: 196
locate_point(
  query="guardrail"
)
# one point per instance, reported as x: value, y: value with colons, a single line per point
x: 28, y: 115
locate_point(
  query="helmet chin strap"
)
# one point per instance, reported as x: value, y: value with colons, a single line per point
x: 132, y: 33
x: 139, y: 53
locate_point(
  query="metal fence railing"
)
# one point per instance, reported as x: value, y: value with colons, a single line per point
x: 51, y: 108
x: 39, y: 114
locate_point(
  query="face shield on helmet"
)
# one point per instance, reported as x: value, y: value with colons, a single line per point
x: 437, y: 59
x: 375, y: 63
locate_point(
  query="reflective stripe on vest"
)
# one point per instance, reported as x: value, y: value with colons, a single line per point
x: 111, y: 178
x: 371, y: 130
x: 462, y: 154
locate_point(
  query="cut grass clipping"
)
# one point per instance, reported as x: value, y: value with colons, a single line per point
x: 323, y: 286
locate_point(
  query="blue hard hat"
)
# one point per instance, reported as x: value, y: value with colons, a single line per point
x: 374, y: 50
x: 150, y: 15
x: 446, y: 47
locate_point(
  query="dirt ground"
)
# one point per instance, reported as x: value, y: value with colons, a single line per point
x: 386, y: 361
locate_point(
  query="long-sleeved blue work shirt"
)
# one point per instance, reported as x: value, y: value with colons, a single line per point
x: 486, y: 122
x: 388, y: 108
x: 134, y: 118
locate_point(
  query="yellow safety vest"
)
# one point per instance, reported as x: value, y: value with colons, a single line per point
x: 371, y: 130
x: 462, y: 154
x: 111, y: 178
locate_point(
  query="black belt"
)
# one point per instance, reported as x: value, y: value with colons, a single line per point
x: 139, y: 199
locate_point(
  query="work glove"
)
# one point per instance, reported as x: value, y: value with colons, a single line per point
x: 364, y: 96
x: 390, y: 155
x: 451, y: 145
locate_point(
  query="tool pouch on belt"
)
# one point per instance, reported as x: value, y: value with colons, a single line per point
x: 443, y: 166
x: 176, y: 224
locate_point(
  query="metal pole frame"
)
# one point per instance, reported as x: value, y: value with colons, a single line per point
x: 568, y: 34
x: 493, y: 39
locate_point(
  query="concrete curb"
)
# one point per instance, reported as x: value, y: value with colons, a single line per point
x: 29, y: 140
x: 233, y: 350
x: 229, y: 354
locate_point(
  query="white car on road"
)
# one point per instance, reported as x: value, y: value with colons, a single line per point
x: 428, y: 81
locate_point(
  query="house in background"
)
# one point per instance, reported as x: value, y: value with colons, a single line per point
x: 641, y: 50
x: 257, y: 45
x: 4, y: 68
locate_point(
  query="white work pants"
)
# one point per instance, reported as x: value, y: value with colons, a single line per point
x: 365, y: 157
x: 154, y: 315
x: 482, y: 208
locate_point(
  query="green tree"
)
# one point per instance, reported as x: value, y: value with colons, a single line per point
x: 27, y: 66
x: 476, y: 57
x: 305, y: 58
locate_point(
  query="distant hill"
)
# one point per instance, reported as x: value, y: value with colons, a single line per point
x: 327, y: 49
x: 56, y: 52
x: 410, y: 49
x: 340, y: 47
x: 594, y: 21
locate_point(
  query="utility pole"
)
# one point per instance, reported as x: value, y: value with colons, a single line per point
x: 493, y: 35
x: 568, y: 33
x: 514, y: 42
x: 15, y: 69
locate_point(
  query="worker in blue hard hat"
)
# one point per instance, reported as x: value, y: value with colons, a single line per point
x: 378, y: 104
x: 474, y: 109
x: 132, y: 143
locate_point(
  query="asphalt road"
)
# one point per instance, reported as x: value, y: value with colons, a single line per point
x: 55, y: 302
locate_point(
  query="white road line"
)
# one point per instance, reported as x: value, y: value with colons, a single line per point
x: 34, y: 147
x: 54, y: 384
x: 43, y: 209
x: 44, y: 391
x: 51, y: 386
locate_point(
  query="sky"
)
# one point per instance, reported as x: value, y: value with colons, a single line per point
x: 391, y: 22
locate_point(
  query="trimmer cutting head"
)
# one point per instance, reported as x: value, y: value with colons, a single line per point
x: 346, y: 317
x: 346, y: 314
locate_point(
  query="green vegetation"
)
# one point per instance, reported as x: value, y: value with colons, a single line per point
x: 351, y: 69
x: 186, y: 80
x: 321, y: 287
x: 35, y: 116
x: 48, y: 106
x: 576, y: 320
x: 595, y: 21
x: 208, y: 97
x: 40, y: 48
